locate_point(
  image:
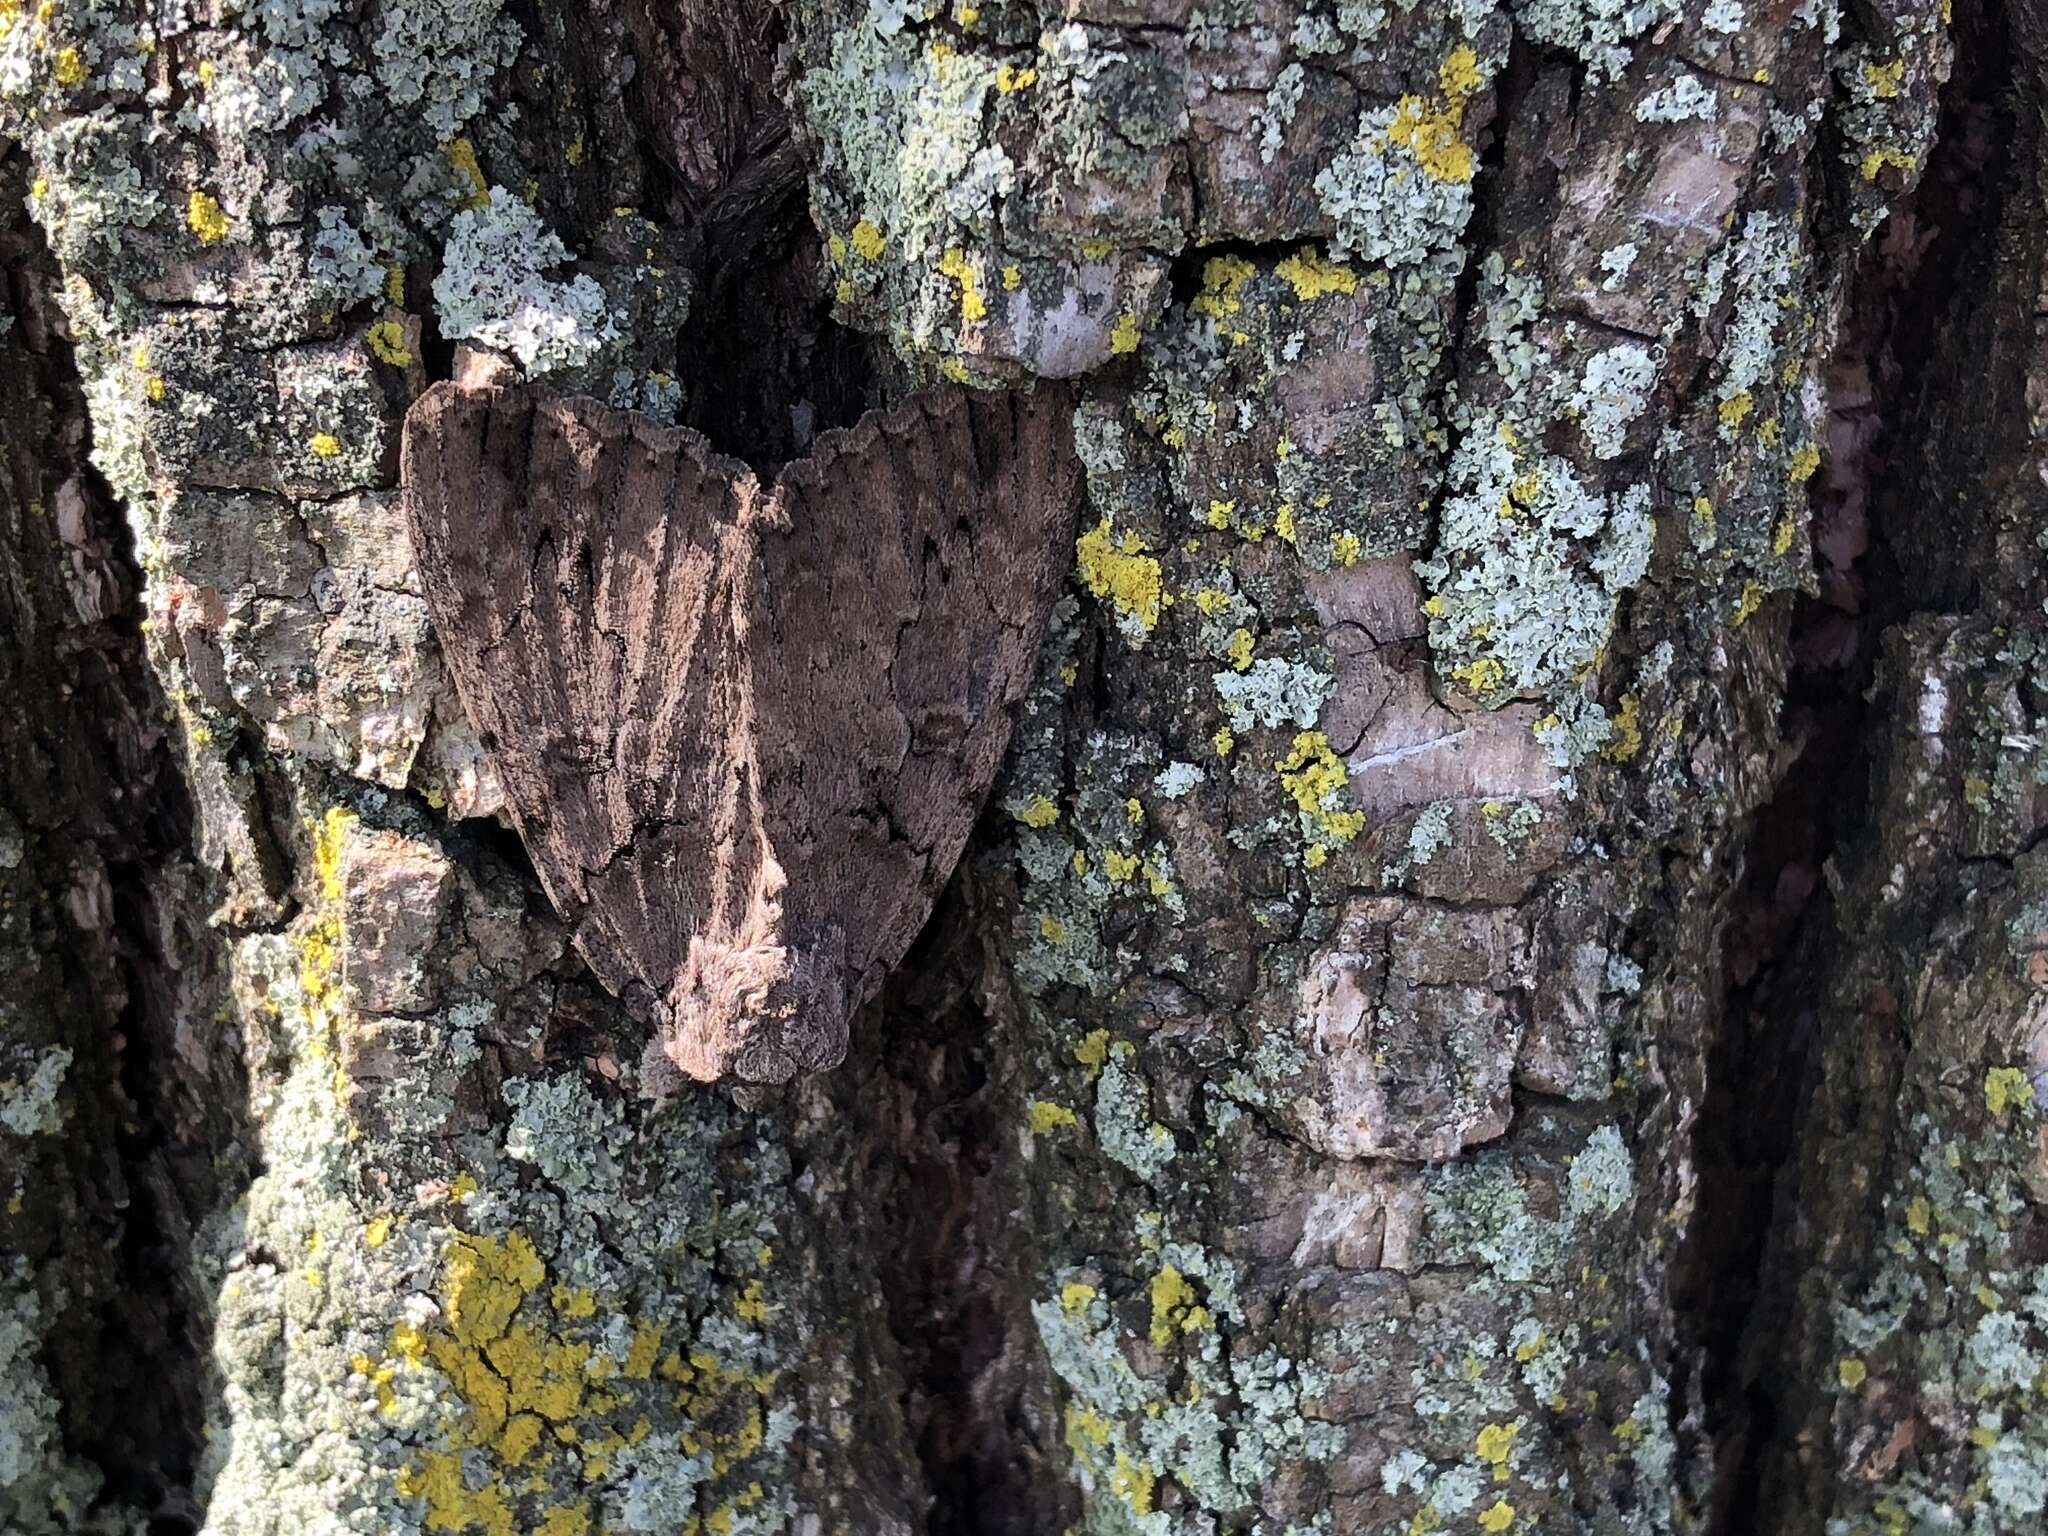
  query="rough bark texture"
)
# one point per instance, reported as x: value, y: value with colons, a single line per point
x: 1504, y: 982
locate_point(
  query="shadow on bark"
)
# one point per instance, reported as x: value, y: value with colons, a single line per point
x: 95, y: 956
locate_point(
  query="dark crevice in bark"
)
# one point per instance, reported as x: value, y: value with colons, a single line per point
x: 951, y: 1276
x: 85, y: 767
x: 1922, y: 274
x: 765, y: 366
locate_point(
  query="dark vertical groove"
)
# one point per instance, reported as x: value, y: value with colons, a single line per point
x: 1919, y: 289
x: 87, y: 783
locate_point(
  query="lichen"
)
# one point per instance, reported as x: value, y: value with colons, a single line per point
x: 492, y: 288
x: 1119, y: 570
x: 30, y: 1104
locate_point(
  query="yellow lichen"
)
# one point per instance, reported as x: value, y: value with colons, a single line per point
x: 1627, y: 738
x: 1039, y: 811
x: 751, y: 1304
x: 1315, y: 777
x: 1497, y: 1517
x: 1172, y: 1296
x: 1785, y: 533
x: 461, y: 157
x: 205, y: 218
x: 1345, y: 548
x: 1240, y: 651
x: 1919, y: 1216
x: 1086, y: 1430
x: 1222, y: 278
x: 1044, y: 1115
x: 1802, y: 464
x: 387, y: 343
x: 2005, y: 1087
x: 1735, y: 410
x: 1884, y: 80
x: 1481, y: 675
x: 1312, y: 277
x: 1093, y: 1050
x: 956, y: 265
x: 1459, y: 77
x: 1010, y: 79
x: 1851, y: 1372
x: 69, y: 67
x: 1075, y: 1296
x: 1874, y: 163
x: 1432, y: 137
x: 1120, y: 571
x: 1746, y: 605
x: 324, y: 445
x: 1494, y: 1445
x: 1132, y: 1481
x: 868, y: 240
x: 1123, y: 336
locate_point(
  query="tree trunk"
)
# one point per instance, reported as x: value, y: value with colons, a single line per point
x: 1502, y: 984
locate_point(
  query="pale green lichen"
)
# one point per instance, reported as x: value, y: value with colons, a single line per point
x: 29, y: 1103
x: 1124, y: 1127
x: 1613, y: 391
x: 492, y: 288
x: 1683, y: 99
x: 43, y: 1490
x: 1235, y: 1421
x: 1389, y: 203
x: 1598, y: 31
x: 435, y: 58
x: 1528, y: 568
x: 1273, y: 693
x: 555, y: 1343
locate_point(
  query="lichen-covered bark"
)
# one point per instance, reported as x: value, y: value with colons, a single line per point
x: 1312, y: 1111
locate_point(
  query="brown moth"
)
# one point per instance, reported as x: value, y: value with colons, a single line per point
x: 744, y: 730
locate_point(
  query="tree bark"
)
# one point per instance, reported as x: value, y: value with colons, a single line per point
x: 1500, y: 986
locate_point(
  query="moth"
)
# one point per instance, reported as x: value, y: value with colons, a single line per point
x: 744, y: 729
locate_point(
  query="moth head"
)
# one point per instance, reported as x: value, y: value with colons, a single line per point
x: 758, y: 1012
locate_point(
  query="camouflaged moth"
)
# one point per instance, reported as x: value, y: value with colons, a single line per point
x: 744, y: 730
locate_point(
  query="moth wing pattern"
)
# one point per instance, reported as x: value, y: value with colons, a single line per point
x: 905, y: 583
x: 744, y: 734
x: 586, y: 570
